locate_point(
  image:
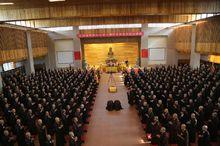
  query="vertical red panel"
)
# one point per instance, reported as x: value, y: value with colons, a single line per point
x: 77, y: 55
x: 144, y: 53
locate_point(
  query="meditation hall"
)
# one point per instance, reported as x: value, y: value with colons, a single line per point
x: 109, y: 72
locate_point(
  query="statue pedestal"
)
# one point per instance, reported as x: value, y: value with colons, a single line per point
x: 112, y: 69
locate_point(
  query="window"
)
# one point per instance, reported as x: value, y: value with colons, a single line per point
x: 58, y: 28
x: 209, y: 15
x: 162, y: 24
x: 8, y: 66
x: 85, y: 27
x: 204, y: 16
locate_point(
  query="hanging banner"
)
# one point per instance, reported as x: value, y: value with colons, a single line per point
x: 104, y: 35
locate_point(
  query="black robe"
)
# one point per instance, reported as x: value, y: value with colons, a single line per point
x: 6, y: 141
x: 49, y: 143
x: 19, y: 130
x: 192, y: 126
x: 204, y: 139
x: 29, y: 142
x: 60, y: 135
x: 183, y: 138
x: 42, y: 135
x: 163, y: 140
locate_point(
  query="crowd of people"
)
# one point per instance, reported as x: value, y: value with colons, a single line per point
x: 51, y: 105
x: 177, y: 104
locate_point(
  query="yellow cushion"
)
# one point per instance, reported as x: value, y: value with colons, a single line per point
x: 112, y: 89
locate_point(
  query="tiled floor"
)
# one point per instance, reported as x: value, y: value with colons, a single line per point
x: 116, y: 128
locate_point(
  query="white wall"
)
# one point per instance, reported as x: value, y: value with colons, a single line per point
x: 60, y: 46
x: 204, y: 57
x: 157, y: 42
x: 156, y: 38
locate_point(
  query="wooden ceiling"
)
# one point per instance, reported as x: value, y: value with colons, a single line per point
x: 83, y: 12
x: 46, y: 3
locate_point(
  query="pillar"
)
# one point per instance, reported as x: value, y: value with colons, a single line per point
x: 78, y: 56
x: 194, y: 56
x: 29, y: 65
x: 50, y: 58
x: 144, y: 45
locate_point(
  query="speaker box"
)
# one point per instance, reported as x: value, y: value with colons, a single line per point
x: 112, y: 89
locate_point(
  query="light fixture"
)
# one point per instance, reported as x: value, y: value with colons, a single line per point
x: 56, y: 1
x: 6, y: 3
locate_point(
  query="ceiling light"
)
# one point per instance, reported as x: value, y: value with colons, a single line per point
x: 4, y: 4
x: 56, y: 1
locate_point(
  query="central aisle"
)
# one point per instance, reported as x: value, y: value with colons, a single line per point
x: 116, y: 128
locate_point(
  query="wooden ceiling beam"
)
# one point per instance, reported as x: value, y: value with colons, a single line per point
x: 143, y: 8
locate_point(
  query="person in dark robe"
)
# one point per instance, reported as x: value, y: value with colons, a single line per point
x: 155, y: 130
x: 64, y: 117
x: 213, y: 124
x: 22, y: 113
x: 200, y: 117
x: 163, y: 138
x: 73, y: 141
x: 48, y: 121
x: 12, y: 118
x: 31, y: 122
x: 192, y: 128
x: 165, y: 118
x: 204, y: 137
x: 77, y: 128
x: 29, y: 141
x: 41, y: 132
x: 174, y: 126
x: 144, y: 114
x: 6, y: 139
x: 2, y: 129
x: 49, y: 141
x: 19, y: 131
x: 183, y: 115
x: 59, y: 132
x: 40, y: 111
x: 183, y: 136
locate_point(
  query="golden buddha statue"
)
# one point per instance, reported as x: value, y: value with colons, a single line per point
x: 111, y: 59
x: 111, y: 62
x: 110, y: 53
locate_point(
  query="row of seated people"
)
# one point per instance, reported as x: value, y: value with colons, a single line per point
x: 47, y: 104
x: 172, y: 96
